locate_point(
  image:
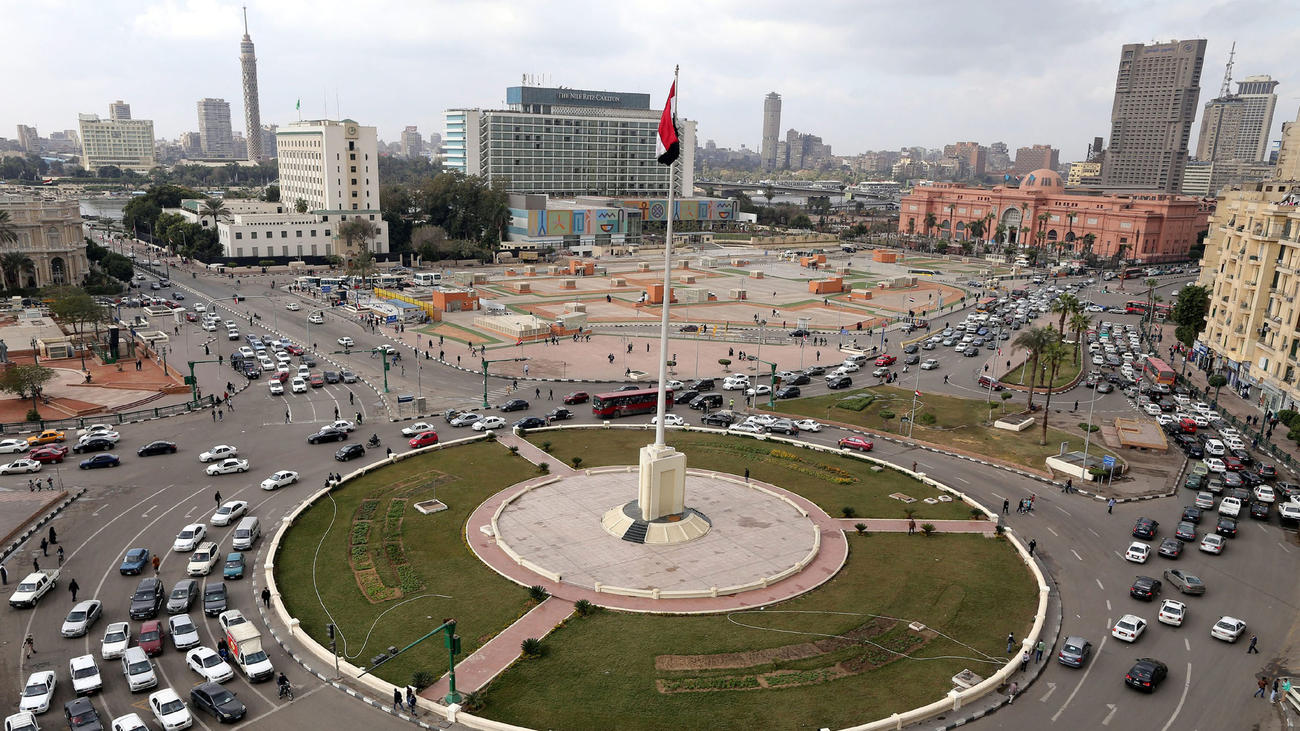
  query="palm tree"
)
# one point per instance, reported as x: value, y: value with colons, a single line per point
x: 1024, y: 214
x: 976, y: 228
x: 214, y: 207
x: 1042, y: 230
x: 1067, y: 304
x: 1119, y: 263
x: 1079, y: 323
x: 13, y: 264
x: 1051, y: 357
x: 1069, y: 236
x: 999, y: 232
x: 353, y: 232
x: 1035, y: 339
x: 7, y: 233
x: 988, y: 225
x: 930, y: 221
x: 952, y: 223
x: 300, y: 205
x: 1088, y: 240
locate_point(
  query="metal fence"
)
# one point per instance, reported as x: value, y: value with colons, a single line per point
x: 120, y: 417
x: 1255, y: 433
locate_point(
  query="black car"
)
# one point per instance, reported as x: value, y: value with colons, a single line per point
x: 1171, y: 548
x: 1186, y: 531
x: 722, y: 418
x: 1146, y: 674
x: 1267, y: 471
x: 1258, y: 510
x: 912, y: 360
x: 1191, y: 514
x: 1250, y: 479
x: 94, y: 444
x: 146, y: 600
x: 839, y: 382
x: 327, y: 434
x: 799, y: 333
x: 687, y: 396
x: 1145, y: 528
x: 331, y: 376
x: 1145, y: 588
x: 1226, y: 527
x: 214, y: 599
x: 218, y: 701
x: 559, y: 414
x: 703, y: 384
x: 1193, y: 450
x: 688, y: 329
x: 530, y: 422
x: 158, y: 447
x: 82, y: 716
x: 909, y: 349
x: 787, y: 392
x: 100, y: 460
x: 1243, y: 455
x: 815, y: 370
x: 800, y: 379
x: 785, y: 426
x: 250, y: 371
x: 514, y: 404
x: 350, y: 452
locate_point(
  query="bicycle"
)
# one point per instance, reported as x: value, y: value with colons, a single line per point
x: 286, y: 690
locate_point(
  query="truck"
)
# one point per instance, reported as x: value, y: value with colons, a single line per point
x: 245, y: 645
x: 31, y: 589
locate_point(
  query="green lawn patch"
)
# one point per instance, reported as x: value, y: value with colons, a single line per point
x: 958, y: 422
x: 832, y: 481
x: 606, y: 663
x: 1065, y: 373
x: 379, y: 542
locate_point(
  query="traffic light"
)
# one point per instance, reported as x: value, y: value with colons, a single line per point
x: 453, y: 644
x: 221, y: 359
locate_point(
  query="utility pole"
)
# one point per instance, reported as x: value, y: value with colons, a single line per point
x: 486, y: 363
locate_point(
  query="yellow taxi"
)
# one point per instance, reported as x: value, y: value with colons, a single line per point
x: 46, y: 437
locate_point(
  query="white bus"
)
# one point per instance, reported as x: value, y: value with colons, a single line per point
x: 426, y: 279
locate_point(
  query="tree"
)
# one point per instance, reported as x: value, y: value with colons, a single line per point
x: 1088, y: 240
x: 1079, y: 323
x: 1189, y: 312
x: 1000, y: 232
x: 355, y: 233
x: 75, y: 306
x: 1035, y: 339
x: 952, y: 214
x: 1069, y: 235
x: 1051, y: 358
x: 110, y: 171
x: 975, y: 228
x: 1216, y: 382
x: 1041, y: 234
x: 272, y: 194
x: 930, y: 221
x: 1067, y: 304
x: 214, y: 208
x: 8, y: 235
x: 13, y: 264
x: 26, y: 380
x: 801, y: 221
x: 300, y: 206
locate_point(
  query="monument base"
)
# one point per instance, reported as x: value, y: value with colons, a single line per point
x: 624, y: 522
x: 661, y: 487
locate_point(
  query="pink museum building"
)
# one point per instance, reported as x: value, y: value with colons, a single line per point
x: 1151, y: 227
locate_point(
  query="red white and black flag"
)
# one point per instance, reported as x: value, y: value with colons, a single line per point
x: 668, y: 129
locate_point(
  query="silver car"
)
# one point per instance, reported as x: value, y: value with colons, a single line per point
x: 83, y: 615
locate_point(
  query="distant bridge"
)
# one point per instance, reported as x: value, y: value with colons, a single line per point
x: 795, y: 186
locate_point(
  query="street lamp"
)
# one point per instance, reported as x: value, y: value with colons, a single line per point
x: 35, y: 354
x: 486, y: 363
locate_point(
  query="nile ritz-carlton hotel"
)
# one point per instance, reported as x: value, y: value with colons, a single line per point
x: 1152, y: 227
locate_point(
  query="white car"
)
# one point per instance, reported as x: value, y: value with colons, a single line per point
x: 1230, y: 507
x: 83, y: 615
x: 280, y: 479
x: 38, y: 692
x: 170, y: 710
x: 669, y: 420
x: 184, y: 633
x: 1214, y: 464
x: 746, y: 427
x: 675, y: 385
x: 489, y: 422
x: 735, y: 385
x: 468, y: 418
x: 209, y: 665
x: 346, y: 341
x: 282, y: 358
x: 418, y: 427
x: 763, y: 420
x: 228, y: 512
x: 246, y: 352
x: 292, y: 307
x: 1265, y: 494
x: 808, y: 425
x: 1227, y: 629
x: 1138, y: 552
x: 221, y: 451
x: 298, y: 385
x: 13, y: 446
x: 231, y: 618
x: 275, y: 387
x: 1213, y: 543
x: 1129, y: 628
x: 1201, y: 406
x: 303, y: 371
x: 1172, y: 612
x: 94, y: 429
x: 129, y: 722
x: 344, y: 425
x: 189, y: 538
x: 1151, y: 409
x: 117, y: 637
x: 1164, y: 419
x: 200, y: 307
x: 1215, y: 448
x: 85, y: 675
x: 20, y: 466
x: 228, y: 466
x: 761, y: 389
x: 316, y: 318
x: 929, y: 364
x: 848, y: 366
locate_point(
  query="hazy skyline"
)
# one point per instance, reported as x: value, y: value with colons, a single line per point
x: 863, y: 75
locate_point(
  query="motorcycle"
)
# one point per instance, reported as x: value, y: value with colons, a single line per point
x: 373, y: 441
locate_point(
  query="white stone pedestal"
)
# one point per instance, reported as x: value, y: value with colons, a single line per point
x: 661, y: 489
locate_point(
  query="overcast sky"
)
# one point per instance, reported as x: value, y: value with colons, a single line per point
x: 863, y: 74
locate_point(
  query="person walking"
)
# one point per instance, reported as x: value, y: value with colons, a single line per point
x: 1252, y: 648
x: 54, y: 537
x: 746, y: 475
x: 1038, y: 652
x: 1006, y: 506
x: 266, y: 597
x: 410, y: 699
x: 911, y: 525
x: 45, y: 547
x: 1110, y: 506
x: 217, y: 498
x: 1261, y: 684
x: 1273, y: 697
x: 1024, y: 661
x: 156, y: 563
x: 1011, y: 642
x: 30, y: 645
x: 73, y: 588
x: 397, y: 699
x: 4, y: 575
x: 1033, y: 543
x: 60, y: 552
x: 286, y: 416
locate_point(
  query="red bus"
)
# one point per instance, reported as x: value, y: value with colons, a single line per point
x: 1158, y: 371
x: 1132, y: 273
x: 629, y: 403
x: 1136, y: 307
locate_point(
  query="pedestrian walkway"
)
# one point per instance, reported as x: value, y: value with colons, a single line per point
x: 900, y: 525
x: 490, y: 660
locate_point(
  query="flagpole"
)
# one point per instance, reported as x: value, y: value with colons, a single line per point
x: 911, y: 421
x: 662, y: 408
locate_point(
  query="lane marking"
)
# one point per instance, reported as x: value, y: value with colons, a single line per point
x: 1082, y: 679
x: 961, y: 479
x: 1283, y: 546
x: 1187, y: 645
x: 994, y: 494
x: 1099, y: 586
x: 1106, y: 721
x: 1049, y: 530
x: 1076, y: 554
x: 1051, y: 688
x: 1095, y: 533
x: 145, y: 514
x: 1187, y: 683
x: 1108, y: 608
x: 1063, y: 510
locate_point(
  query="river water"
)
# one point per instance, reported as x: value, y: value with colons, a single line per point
x: 110, y: 208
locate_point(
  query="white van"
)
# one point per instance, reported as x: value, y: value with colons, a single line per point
x: 138, y: 670
x: 858, y: 358
x: 246, y: 534
x: 426, y: 279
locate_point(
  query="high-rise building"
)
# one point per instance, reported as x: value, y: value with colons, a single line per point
x: 215, y: 137
x: 252, y: 114
x: 1220, y: 129
x: 1259, y: 99
x: 191, y: 144
x: 412, y: 143
x: 1029, y: 159
x: 124, y: 143
x: 28, y: 139
x: 119, y: 111
x: 568, y: 142
x: 999, y: 157
x: 1288, y: 153
x: 771, y: 131
x: 1156, y: 91
x: 1083, y: 173
x: 268, y: 141
x: 1096, y: 150
x: 974, y: 155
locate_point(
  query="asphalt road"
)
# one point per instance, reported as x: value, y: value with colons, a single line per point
x: 146, y: 501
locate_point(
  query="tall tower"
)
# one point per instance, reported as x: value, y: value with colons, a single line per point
x: 1156, y: 91
x: 771, y: 130
x: 252, y: 117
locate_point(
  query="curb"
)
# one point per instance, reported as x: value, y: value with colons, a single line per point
x: 14, y: 545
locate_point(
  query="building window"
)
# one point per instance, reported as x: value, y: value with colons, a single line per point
x: 239, y: 234
x: 354, y: 181
x: 327, y: 233
x: 298, y: 233
x: 254, y: 251
x: 354, y: 168
x: 313, y: 233
x: 239, y: 251
x: 313, y: 249
x: 252, y: 235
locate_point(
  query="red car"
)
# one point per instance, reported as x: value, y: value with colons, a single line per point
x: 317, y: 380
x: 294, y: 349
x: 859, y: 443
x: 151, y: 637
x: 191, y: 317
x: 886, y: 360
x: 577, y: 397
x: 1187, y: 425
x: 1232, y: 464
x: 424, y: 439
x: 49, y: 453
x: 281, y: 376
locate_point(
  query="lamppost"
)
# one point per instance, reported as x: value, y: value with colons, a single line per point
x: 761, y: 324
x: 36, y: 356
x: 771, y: 394
x: 487, y: 363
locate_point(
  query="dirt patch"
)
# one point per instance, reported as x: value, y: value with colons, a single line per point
x: 733, y: 660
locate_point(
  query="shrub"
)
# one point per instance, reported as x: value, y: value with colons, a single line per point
x: 531, y: 647
x: 861, y: 528
x: 1288, y: 417
x: 886, y: 414
x: 927, y: 419
x: 584, y: 607
x: 928, y: 529
x: 514, y: 448
x: 1006, y: 395
x: 848, y: 511
x: 538, y: 593
x: 544, y: 468
x: 422, y: 679
x: 472, y: 701
x: 855, y: 403
x: 33, y: 415
x: 1088, y: 427
x: 546, y: 447
x: 575, y: 461
x: 724, y: 362
x: 977, y: 514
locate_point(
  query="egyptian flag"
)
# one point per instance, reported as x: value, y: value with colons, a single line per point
x: 668, y: 129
